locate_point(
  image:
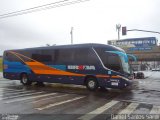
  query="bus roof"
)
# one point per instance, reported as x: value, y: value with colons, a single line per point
x: 87, y: 45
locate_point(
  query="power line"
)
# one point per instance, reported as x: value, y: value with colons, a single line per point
x: 40, y: 8
x: 31, y: 8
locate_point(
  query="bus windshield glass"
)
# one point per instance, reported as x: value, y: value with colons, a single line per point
x: 114, y: 60
x: 123, y: 59
x: 125, y: 65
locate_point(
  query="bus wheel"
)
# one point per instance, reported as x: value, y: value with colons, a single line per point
x: 92, y: 84
x: 25, y: 80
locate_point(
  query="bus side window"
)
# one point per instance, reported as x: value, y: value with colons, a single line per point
x: 56, y: 54
x: 42, y: 58
x: 70, y: 56
x: 92, y: 57
x: 64, y: 56
x: 85, y: 56
x: 79, y: 56
x: 82, y: 56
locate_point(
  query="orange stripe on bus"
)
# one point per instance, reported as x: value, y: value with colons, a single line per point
x: 115, y: 77
x: 49, y: 72
x: 44, y: 69
x: 103, y: 76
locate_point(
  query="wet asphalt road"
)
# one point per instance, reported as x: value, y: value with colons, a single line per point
x: 70, y: 102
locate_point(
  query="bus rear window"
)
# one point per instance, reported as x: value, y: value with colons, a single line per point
x: 11, y: 57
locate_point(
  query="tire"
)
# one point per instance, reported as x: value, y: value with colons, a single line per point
x: 92, y: 84
x: 25, y: 80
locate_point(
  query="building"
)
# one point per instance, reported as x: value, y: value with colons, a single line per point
x: 146, y: 50
x: 134, y: 44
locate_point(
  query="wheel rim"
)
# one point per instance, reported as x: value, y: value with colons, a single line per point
x: 24, y: 79
x: 91, y: 84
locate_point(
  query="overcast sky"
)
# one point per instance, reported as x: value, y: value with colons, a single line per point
x: 94, y: 21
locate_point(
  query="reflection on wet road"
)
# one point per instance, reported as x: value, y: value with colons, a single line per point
x: 75, y: 102
x: 144, y: 90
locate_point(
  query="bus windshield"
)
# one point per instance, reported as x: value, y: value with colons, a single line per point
x: 125, y: 65
x: 123, y: 59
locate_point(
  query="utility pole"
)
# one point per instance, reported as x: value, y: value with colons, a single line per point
x: 71, y: 35
x: 118, y: 28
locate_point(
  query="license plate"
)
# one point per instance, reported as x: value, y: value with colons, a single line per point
x: 114, y: 83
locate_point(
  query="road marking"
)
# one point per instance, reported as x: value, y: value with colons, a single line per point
x: 129, y: 109
x: 3, y: 90
x: 20, y: 95
x: 9, y: 94
x: 155, y: 110
x: 16, y: 92
x: 7, y: 89
x: 59, y: 103
x: 27, y: 98
x: 50, y: 98
x: 98, y: 111
x: 8, y: 85
x: 134, y: 101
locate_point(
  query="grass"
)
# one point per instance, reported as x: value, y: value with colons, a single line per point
x: 0, y: 64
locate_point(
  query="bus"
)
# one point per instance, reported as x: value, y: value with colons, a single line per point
x: 92, y: 65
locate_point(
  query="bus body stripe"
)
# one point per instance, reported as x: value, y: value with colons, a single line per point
x: 44, y: 69
x: 115, y: 76
x: 103, y: 76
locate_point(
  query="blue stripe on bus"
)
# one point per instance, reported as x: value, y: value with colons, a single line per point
x: 60, y: 67
x: 16, y: 67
